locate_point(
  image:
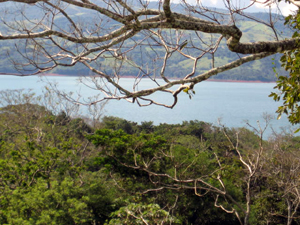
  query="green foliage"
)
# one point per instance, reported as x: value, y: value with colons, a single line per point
x: 288, y: 86
x: 118, y: 146
x: 139, y: 213
x: 115, y: 123
x: 55, y: 169
x: 70, y: 201
x: 188, y: 156
x: 43, y: 170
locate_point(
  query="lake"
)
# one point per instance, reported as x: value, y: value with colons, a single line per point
x: 233, y: 103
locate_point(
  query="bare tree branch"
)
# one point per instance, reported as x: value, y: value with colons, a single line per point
x: 124, y: 36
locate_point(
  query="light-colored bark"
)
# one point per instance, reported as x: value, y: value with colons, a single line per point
x: 162, y: 29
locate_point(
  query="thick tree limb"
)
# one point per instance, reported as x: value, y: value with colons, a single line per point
x: 162, y: 29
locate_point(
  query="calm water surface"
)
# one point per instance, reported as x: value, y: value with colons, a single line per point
x: 233, y: 103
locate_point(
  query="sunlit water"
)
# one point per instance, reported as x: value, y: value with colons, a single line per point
x: 233, y: 103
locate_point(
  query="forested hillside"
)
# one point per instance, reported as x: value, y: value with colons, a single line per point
x: 58, y: 169
x: 179, y: 65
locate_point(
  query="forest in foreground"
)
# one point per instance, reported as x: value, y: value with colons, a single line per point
x: 60, y: 169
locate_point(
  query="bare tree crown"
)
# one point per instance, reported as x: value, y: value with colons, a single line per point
x: 135, y: 38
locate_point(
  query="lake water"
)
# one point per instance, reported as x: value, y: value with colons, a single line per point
x: 233, y: 103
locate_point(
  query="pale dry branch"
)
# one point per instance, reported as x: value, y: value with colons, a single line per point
x: 122, y: 39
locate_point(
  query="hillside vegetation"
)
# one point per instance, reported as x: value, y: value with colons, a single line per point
x: 179, y: 66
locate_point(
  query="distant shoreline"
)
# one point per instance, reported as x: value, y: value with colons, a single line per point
x: 209, y: 80
x: 240, y: 81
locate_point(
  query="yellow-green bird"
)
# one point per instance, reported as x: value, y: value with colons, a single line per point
x: 183, y: 45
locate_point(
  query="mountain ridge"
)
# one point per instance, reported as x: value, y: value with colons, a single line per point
x: 262, y: 70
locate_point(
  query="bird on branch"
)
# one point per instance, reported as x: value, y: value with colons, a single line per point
x: 183, y: 45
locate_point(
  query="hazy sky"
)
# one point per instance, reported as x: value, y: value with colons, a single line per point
x: 283, y: 7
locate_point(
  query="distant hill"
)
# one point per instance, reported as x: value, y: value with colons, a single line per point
x: 178, y: 66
